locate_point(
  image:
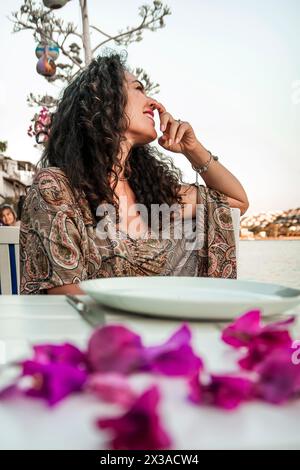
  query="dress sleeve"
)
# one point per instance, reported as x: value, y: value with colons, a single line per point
x: 217, y: 254
x: 53, y: 236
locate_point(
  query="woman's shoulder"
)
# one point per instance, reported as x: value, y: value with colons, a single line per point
x: 53, y: 186
x: 51, y: 190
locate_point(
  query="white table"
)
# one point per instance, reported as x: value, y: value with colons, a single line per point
x: 29, y: 424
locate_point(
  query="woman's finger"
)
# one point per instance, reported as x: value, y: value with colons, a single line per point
x: 180, y: 131
x: 173, y: 131
x: 163, y: 115
x: 160, y: 107
x: 165, y: 120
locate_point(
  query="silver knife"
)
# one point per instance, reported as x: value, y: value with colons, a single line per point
x: 92, y: 315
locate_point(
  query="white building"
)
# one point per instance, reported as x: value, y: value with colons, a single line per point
x: 15, y: 175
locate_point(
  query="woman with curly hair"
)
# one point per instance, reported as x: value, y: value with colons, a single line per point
x: 98, y: 158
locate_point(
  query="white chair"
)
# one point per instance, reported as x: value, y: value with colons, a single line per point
x: 9, y: 260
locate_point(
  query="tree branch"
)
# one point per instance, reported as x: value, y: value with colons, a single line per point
x: 101, y: 32
x: 47, y: 27
x: 144, y: 10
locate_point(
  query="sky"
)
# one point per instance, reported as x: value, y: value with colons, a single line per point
x: 230, y: 68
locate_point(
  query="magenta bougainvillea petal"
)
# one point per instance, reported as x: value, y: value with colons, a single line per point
x: 63, y: 354
x: 53, y: 382
x: 112, y: 388
x: 257, y: 339
x: 278, y: 377
x: 175, y: 357
x: 140, y: 428
x: 115, y: 348
x: 222, y: 391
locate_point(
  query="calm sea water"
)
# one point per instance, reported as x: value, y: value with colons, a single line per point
x: 275, y: 261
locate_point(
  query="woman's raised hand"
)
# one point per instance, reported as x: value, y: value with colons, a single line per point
x: 178, y: 137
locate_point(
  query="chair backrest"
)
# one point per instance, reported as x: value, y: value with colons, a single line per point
x: 9, y: 260
x: 236, y: 215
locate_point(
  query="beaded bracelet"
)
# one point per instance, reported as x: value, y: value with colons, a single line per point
x: 203, y: 168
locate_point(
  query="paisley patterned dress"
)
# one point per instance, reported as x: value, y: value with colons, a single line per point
x: 59, y: 243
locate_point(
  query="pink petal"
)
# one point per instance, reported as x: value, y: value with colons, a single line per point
x: 115, y: 348
x: 223, y: 391
x: 195, y: 389
x: 140, y: 427
x: 53, y: 382
x: 280, y: 325
x: 112, y: 388
x: 240, y: 332
x: 279, y: 378
x: 61, y: 353
x: 263, y: 345
x: 175, y: 357
x: 9, y: 392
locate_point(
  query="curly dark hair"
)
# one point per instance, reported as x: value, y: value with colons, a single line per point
x: 85, y: 137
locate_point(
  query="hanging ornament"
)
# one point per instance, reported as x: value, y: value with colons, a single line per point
x: 40, y: 50
x: 54, y: 4
x: 53, y: 50
x: 46, y: 65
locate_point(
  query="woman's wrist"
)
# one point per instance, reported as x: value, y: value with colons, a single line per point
x: 198, y: 156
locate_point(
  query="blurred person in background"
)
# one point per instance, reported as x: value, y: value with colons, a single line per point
x: 8, y: 216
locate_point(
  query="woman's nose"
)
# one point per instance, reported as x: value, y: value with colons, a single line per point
x: 156, y: 105
x: 153, y: 104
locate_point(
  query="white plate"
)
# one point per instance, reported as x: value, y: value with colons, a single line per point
x: 190, y: 297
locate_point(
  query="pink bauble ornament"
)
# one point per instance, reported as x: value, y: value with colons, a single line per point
x: 46, y: 66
